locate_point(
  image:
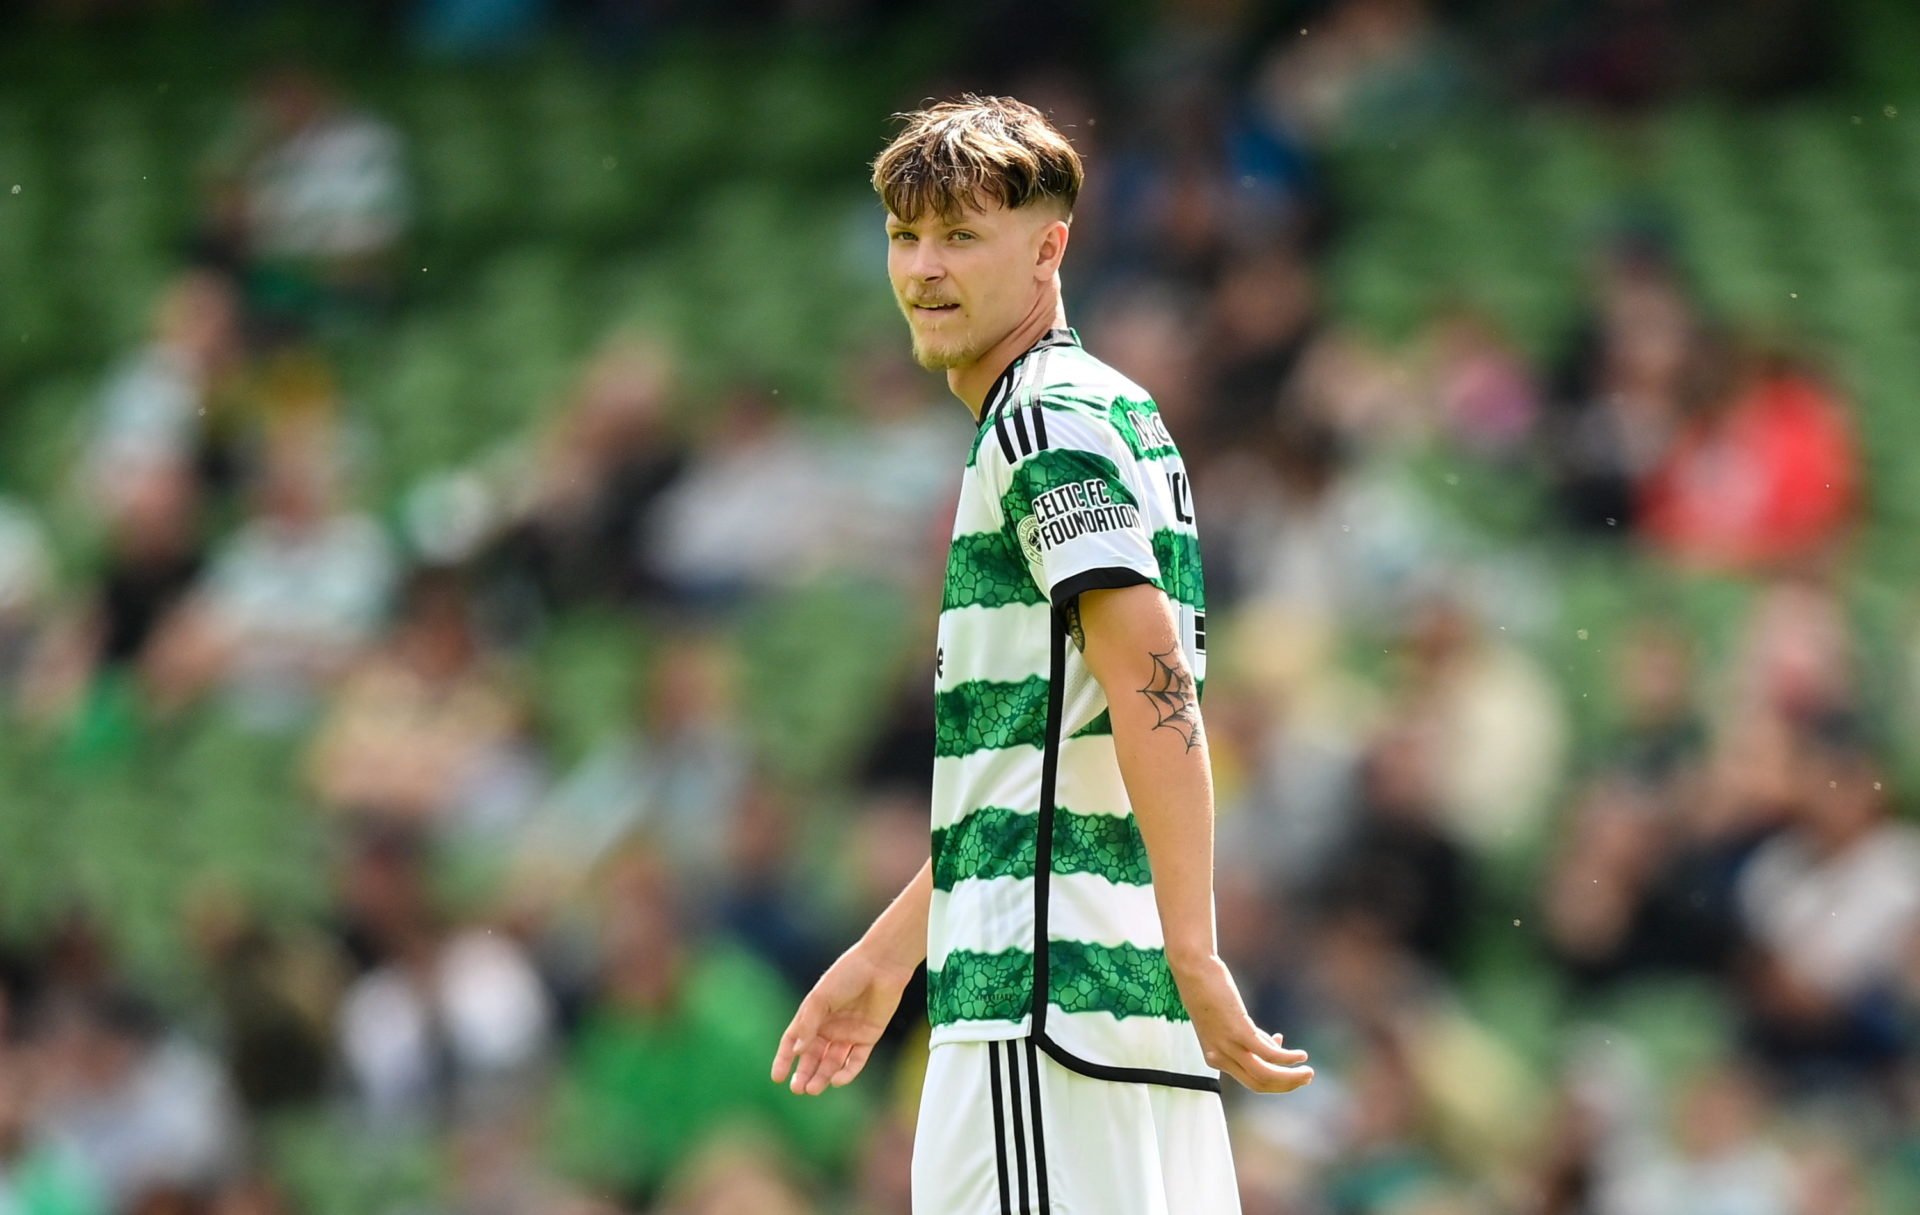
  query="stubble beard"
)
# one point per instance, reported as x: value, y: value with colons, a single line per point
x: 943, y: 352
x: 943, y: 358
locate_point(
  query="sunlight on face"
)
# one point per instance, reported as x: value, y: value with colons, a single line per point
x: 963, y: 283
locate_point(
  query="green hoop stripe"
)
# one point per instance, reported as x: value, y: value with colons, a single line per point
x: 994, y: 843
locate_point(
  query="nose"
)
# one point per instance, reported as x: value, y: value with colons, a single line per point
x: 923, y: 262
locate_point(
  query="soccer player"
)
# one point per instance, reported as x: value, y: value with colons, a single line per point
x: 1081, y: 1013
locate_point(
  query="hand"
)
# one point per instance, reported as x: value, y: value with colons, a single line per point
x: 1229, y: 1038
x: 832, y: 1035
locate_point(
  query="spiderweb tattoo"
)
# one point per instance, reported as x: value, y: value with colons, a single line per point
x: 1171, y: 693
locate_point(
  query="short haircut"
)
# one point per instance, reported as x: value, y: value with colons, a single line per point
x: 976, y: 151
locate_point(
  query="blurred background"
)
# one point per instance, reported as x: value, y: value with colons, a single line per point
x: 470, y: 539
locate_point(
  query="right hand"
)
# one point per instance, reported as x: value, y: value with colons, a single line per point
x: 833, y: 1034
x: 1228, y: 1037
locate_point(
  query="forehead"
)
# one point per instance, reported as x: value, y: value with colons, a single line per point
x: 972, y: 214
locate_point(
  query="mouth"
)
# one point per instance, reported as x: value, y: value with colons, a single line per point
x: 935, y: 309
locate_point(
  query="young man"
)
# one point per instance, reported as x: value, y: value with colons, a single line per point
x: 1081, y: 1013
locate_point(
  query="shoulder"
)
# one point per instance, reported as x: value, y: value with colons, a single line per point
x: 1069, y: 378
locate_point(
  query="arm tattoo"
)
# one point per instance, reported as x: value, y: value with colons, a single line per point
x: 1172, y: 696
x: 1074, y: 630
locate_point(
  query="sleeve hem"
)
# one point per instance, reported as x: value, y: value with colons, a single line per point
x: 1106, y: 578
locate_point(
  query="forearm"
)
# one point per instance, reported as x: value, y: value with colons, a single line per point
x: 898, y: 938
x: 1170, y: 784
x: 1132, y: 647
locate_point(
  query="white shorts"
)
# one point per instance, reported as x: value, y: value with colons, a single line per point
x: 1005, y: 1130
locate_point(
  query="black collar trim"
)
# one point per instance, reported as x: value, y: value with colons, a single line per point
x: 1002, y: 389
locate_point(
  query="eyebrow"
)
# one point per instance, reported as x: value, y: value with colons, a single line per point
x: 972, y: 220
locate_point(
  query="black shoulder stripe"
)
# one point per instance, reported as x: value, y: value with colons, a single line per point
x: 997, y: 397
x: 1006, y: 442
x: 1020, y: 428
x: 1039, y: 428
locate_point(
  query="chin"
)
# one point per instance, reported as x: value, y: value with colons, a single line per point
x: 941, y: 358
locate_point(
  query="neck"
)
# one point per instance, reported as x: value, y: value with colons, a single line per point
x: 973, y: 382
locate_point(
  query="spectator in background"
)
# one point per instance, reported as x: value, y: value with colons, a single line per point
x: 1661, y: 736
x: 40, y: 1174
x: 1795, y: 666
x: 26, y: 584
x: 755, y: 511
x: 1199, y: 181
x: 143, y: 1108
x: 1763, y: 471
x: 1402, y: 865
x: 669, y: 772
x: 312, y: 201
x: 1619, y: 897
x: 1484, y: 392
x: 732, y: 1175
x: 1287, y: 742
x: 762, y: 902
x: 1723, y: 1160
x: 1617, y: 395
x: 1832, y: 906
x: 666, y: 1059
x: 455, y: 1021
x: 891, y: 462
x: 1366, y: 69
x: 582, y: 527
x: 1310, y: 531
x: 287, y: 602
x: 86, y: 671
x: 162, y: 403
x: 155, y: 554
x: 1498, y: 727
x: 274, y: 989
x: 1262, y: 322
x: 419, y: 723
x: 446, y: 1017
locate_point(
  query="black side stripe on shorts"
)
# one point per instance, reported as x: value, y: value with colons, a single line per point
x: 1039, y: 1135
x: 1019, y: 1128
x: 999, y: 1129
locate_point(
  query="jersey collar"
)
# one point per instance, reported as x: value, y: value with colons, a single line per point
x: 1003, y: 386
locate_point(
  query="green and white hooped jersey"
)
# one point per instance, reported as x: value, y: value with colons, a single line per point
x: 1043, y: 918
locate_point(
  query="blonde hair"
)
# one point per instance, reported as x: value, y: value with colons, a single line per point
x: 976, y: 151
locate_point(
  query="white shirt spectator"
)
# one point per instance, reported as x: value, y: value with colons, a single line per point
x: 479, y: 1014
x: 294, y: 603
x: 336, y: 189
x: 1842, y: 922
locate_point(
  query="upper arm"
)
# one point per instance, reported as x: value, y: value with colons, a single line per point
x: 1122, y: 630
x: 1069, y: 498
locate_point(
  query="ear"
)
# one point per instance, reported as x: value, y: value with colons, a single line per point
x: 1052, y: 249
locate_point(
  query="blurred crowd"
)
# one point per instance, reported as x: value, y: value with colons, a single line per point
x: 556, y: 975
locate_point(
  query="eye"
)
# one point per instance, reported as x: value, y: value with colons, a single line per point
x: 961, y: 236
x: 903, y: 236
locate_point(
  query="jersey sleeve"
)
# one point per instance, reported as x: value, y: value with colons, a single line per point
x: 1070, y: 497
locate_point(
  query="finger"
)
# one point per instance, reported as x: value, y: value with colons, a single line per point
x: 1228, y: 1066
x: 783, y: 1056
x: 1264, y: 1077
x: 856, y: 1059
x: 805, y: 1024
x: 1269, y: 1048
x: 808, y: 1063
x: 831, y: 1061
